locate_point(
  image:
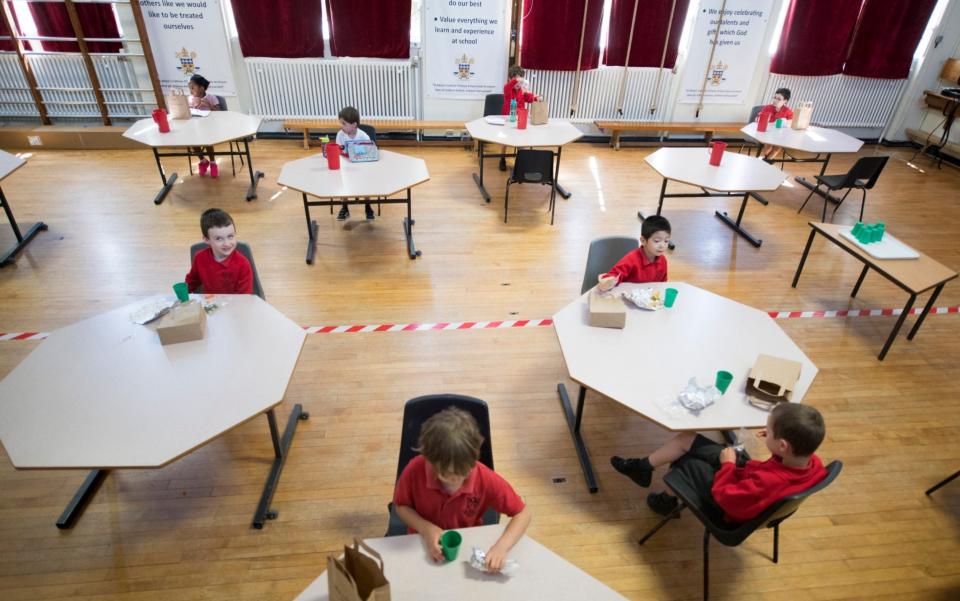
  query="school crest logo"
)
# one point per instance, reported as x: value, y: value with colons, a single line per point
x: 716, y: 72
x: 473, y: 505
x: 187, y: 58
x: 464, y: 67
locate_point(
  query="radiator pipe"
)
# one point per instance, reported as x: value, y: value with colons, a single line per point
x: 626, y: 60
x: 663, y: 60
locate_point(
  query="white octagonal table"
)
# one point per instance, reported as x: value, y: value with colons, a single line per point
x: 816, y: 140
x: 649, y: 362
x: 355, y: 183
x: 215, y: 128
x: 541, y: 573
x: 9, y: 164
x: 104, y: 394
x: 737, y: 175
x: 555, y: 132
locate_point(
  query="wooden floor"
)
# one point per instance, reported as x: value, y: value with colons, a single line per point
x: 183, y: 532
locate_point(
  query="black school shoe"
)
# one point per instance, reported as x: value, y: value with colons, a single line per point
x: 369, y: 213
x: 662, y: 503
x: 637, y: 470
x: 344, y: 213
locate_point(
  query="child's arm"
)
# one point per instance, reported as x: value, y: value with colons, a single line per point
x: 740, y: 494
x: 193, y: 278
x: 429, y: 532
x: 245, y: 281
x: 497, y: 555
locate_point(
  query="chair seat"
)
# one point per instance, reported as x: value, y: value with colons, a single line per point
x: 836, y: 181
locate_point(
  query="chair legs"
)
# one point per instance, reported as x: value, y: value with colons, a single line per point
x: 863, y: 203
x: 809, y: 196
x: 776, y: 543
x: 706, y: 564
x: 233, y: 164
x: 506, y: 201
x: 837, y: 205
x: 673, y: 515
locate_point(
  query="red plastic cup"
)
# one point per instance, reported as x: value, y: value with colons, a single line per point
x: 762, y: 119
x: 522, y: 118
x: 333, y: 156
x: 162, y: 122
x: 717, y: 153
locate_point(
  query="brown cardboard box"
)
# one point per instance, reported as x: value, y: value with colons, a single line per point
x: 607, y: 311
x: 772, y: 380
x: 184, y: 322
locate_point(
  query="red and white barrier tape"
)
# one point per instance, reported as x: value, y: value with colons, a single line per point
x: 533, y: 323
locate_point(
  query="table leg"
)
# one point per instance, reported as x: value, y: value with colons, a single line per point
x: 412, y: 251
x: 803, y: 259
x: 22, y: 240
x: 79, y: 501
x: 311, y: 232
x: 896, y: 327
x: 479, y: 178
x: 281, y: 448
x: 863, y: 274
x: 254, y: 175
x: 563, y: 192
x: 735, y: 225
x: 167, y: 181
x: 926, y: 309
x: 941, y: 484
x: 574, y: 422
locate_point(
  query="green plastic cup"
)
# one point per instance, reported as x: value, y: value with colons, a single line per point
x: 183, y: 293
x: 670, y: 296
x: 779, y: 123
x: 724, y: 378
x: 450, y: 544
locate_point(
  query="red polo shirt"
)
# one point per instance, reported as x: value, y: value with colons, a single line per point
x: 233, y: 276
x: 784, y: 112
x: 636, y: 268
x: 419, y: 489
x: 512, y: 92
x: 744, y: 492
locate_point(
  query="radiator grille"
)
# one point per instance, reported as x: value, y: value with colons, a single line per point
x: 599, y: 90
x: 841, y: 100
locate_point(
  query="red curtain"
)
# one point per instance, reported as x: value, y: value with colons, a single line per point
x: 288, y: 29
x: 649, y: 32
x: 887, y: 36
x: 816, y: 37
x: 550, y: 34
x: 354, y: 33
x: 97, y: 21
x: 8, y: 44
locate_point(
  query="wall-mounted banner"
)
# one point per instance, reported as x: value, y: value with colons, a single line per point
x: 465, y: 48
x: 188, y: 37
x: 724, y: 77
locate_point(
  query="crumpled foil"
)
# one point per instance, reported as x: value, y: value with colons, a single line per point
x: 478, y: 560
x: 696, y: 398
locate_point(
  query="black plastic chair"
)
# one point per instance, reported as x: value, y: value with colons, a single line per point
x: 493, y: 104
x: 748, y: 143
x: 862, y: 176
x: 603, y: 255
x: 244, y: 250
x: 418, y: 410
x: 532, y: 167
x: 732, y: 534
x: 370, y: 130
x: 941, y: 484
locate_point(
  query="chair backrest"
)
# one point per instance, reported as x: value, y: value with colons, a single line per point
x: 418, y: 410
x: 533, y: 166
x: 370, y: 130
x: 754, y: 112
x: 866, y: 169
x: 223, y: 102
x: 603, y: 255
x: 244, y: 250
x: 493, y: 104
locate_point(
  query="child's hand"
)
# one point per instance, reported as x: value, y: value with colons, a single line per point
x: 431, y: 541
x: 728, y: 455
x: 496, y: 558
x: 606, y: 282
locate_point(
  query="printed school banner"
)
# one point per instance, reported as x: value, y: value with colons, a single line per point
x: 188, y: 37
x: 465, y: 48
x: 725, y: 77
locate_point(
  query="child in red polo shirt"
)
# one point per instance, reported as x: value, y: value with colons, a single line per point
x: 739, y: 487
x: 645, y: 264
x: 217, y: 269
x: 515, y: 89
x: 777, y: 110
x: 446, y: 487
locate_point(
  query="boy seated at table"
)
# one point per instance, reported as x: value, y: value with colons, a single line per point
x: 217, y: 269
x: 645, y: 264
x: 199, y: 99
x: 777, y: 110
x: 515, y: 89
x: 350, y: 132
x: 740, y: 488
x: 446, y: 487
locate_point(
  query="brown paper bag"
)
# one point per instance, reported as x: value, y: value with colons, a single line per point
x: 539, y: 112
x: 357, y: 577
x: 772, y: 381
x: 802, y: 115
x: 177, y: 105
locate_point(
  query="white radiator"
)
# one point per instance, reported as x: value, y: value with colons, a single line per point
x: 283, y: 88
x: 840, y: 100
x: 599, y: 91
x: 15, y: 98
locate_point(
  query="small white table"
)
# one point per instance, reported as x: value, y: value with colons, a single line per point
x: 216, y: 128
x: 355, y: 183
x: 541, y: 574
x: 816, y: 140
x: 8, y: 164
x: 554, y: 133
x: 737, y: 175
x: 648, y: 363
x: 104, y: 394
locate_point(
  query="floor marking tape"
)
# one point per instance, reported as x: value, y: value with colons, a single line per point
x: 533, y: 323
